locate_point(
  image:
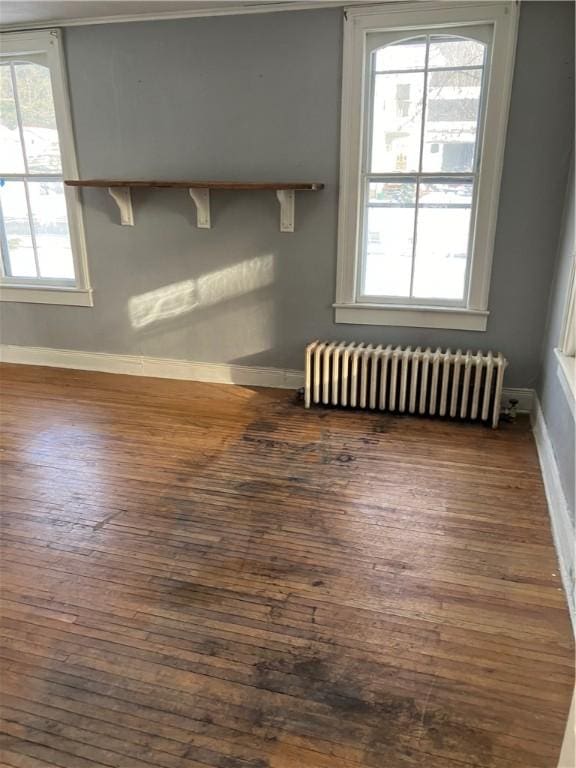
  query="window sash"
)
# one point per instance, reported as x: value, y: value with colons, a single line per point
x: 5, y: 260
x: 28, y: 175
x: 376, y: 42
x: 9, y: 62
x: 366, y: 206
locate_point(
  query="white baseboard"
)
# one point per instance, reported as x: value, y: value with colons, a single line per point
x: 140, y: 365
x: 221, y: 373
x: 562, y: 529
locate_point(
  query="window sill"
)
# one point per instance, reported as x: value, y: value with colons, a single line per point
x: 567, y: 375
x: 412, y: 317
x: 78, y: 297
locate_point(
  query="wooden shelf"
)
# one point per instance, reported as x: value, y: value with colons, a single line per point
x: 120, y: 190
x: 303, y: 186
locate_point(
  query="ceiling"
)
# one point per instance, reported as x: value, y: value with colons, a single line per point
x: 21, y: 13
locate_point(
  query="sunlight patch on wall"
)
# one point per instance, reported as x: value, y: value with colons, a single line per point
x: 179, y: 298
x: 236, y: 333
x: 242, y: 331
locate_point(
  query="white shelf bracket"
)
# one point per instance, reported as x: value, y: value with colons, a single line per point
x: 286, y: 200
x: 201, y: 199
x: 123, y: 200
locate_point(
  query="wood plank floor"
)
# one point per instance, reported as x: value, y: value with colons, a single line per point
x: 201, y: 575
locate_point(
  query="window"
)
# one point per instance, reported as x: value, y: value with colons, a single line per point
x: 41, y: 232
x: 566, y: 351
x: 568, y: 340
x: 425, y: 101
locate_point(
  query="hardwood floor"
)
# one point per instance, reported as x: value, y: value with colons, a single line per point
x: 200, y: 575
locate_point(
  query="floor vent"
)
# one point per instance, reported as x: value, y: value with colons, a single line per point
x: 459, y: 385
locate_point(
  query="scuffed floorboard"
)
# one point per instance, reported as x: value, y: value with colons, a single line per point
x: 202, y: 575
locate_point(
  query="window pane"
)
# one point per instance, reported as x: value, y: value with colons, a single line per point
x: 442, y: 240
x: 397, y: 122
x: 11, y: 158
x: 38, y: 119
x: 14, y: 212
x: 451, y: 51
x: 389, y: 237
x: 48, y: 205
x: 406, y: 54
x: 453, y: 102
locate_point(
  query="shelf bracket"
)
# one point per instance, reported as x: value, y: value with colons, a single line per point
x: 201, y: 199
x: 123, y: 200
x: 286, y: 200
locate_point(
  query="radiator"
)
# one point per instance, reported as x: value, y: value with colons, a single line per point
x: 459, y: 385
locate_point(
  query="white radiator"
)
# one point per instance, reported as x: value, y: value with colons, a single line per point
x: 405, y: 380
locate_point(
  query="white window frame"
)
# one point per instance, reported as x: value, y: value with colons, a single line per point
x: 566, y: 350
x: 36, y: 290
x: 414, y: 18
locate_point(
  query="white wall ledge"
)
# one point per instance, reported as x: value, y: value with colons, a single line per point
x: 29, y: 294
x: 457, y: 318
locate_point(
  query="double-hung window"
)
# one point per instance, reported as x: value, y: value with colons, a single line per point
x: 43, y: 255
x: 426, y: 90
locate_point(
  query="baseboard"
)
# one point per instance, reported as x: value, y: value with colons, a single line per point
x: 163, y: 368
x: 140, y: 365
x: 562, y: 529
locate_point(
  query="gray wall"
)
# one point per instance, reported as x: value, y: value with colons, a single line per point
x: 258, y: 97
x: 557, y: 414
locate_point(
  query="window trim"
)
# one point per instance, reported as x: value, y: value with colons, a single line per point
x: 49, y: 43
x: 567, y: 343
x: 359, y: 22
x: 566, y: 350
